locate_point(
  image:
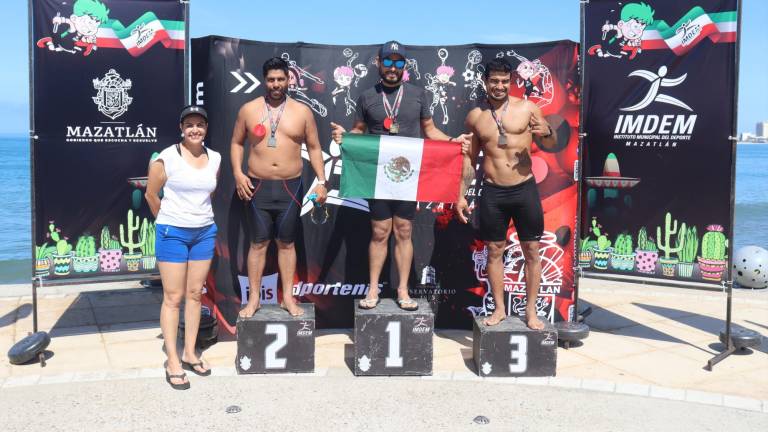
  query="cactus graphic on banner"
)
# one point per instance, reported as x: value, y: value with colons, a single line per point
x: 132, y: 259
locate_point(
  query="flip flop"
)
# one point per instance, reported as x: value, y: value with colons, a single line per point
x: 408, y: 304
x: 191, y: 367
x: 368, y: 303
x: 182, y: 386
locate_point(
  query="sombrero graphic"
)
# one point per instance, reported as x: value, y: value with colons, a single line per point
x: 611, y: 177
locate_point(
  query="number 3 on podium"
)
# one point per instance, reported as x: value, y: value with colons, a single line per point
x: 519, y: 354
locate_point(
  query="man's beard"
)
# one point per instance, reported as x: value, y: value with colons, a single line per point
x: 398, y: 77
x: 282, y: 96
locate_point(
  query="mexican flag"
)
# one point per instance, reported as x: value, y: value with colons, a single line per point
x: 141, y: 35
x: 395, y: 167
x: 692, y: 28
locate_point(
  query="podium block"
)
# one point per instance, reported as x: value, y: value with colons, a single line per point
x: 273, y: 341
x: 511, y: 349
x: 391, y: 341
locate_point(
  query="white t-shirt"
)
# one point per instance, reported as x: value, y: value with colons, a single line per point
x: 187, y: 192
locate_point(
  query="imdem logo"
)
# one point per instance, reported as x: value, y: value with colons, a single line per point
x: 653, y: 130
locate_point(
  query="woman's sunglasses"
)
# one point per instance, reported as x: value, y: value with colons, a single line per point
x: 399, y: 64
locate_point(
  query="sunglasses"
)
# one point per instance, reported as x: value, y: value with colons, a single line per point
x: 399, y: 64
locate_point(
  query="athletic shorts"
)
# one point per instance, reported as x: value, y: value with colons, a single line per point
x: 385, y: 209
x: 273, y: 211
x: 520, y: 202
x: 179, y: 244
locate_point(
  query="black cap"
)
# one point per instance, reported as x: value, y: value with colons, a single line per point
x: 193, y: 109
x: 392, y: 47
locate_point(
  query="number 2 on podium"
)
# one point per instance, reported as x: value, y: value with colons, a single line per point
x: 271, y: 360
x: 394, y: 359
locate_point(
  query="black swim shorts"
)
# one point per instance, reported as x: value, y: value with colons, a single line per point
x: 273, y: 211
x: 520, y: 202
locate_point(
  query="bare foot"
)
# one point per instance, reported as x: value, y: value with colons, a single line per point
x: 292, y: 307
x: 249, y: 310
x: 495, y: 318
x: 533, y: 321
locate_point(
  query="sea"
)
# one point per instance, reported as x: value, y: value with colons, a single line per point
x: 15, y: 240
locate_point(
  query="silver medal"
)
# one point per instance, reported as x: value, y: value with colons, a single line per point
x: 502, y: 139
x: 272, y: 141
x: 394, y: 129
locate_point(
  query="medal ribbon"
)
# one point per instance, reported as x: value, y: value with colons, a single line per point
x: 273, y: 124
x: 388, y: 109
x: 497, y: 119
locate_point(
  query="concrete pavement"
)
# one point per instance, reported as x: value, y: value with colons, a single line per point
x: 647, y: 348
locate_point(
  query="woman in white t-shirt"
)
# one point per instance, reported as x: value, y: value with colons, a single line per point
x: 187, y: 173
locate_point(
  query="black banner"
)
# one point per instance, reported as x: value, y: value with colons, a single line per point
x: 449, y: 261
x: 659, y: 103
x: 108, y: 80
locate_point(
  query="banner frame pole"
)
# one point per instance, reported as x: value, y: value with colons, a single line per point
x: 732, y: 138
x: 32, y: 136
x: 577, y: 274
x: 187, y: 54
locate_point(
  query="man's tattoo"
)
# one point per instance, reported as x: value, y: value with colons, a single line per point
x: 467, y: 175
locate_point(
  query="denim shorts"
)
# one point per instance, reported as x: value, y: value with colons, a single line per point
x: 178, y: 244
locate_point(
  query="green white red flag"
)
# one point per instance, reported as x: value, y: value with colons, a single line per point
x: 400, y: 168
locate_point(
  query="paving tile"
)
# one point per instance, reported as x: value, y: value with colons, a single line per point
x: 662, y: 368
x: 742, y: 403
x: 66, y: 318
x: 87, y: 376
x: 737, y: 362
x: 74, y: 359
x: 102, y: 299
x: 61, y: 303
x: 703, y: 397
x: 136, y: 354
x: 126, y: 314
x: 134, y: 331
x: 19, y: 381
x: 538, y: 381
x: 123, y: 374
x: 633, y: 389
x: 572, y: 357
x: 667, y: 393
x: 659, y: 335
x: 605, y: 319
x: 601, y: 371
x: 598, y: 385
x: 750, y: 383
x: 565, y: 382
x: 72, y: 337
x: 57, y: 379
x: 465, y: 376
x: 604, y: 346
x: 152, y: 373
x: 443, y: 375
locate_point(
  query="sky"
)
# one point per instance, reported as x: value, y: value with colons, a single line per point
x: 424, y: 22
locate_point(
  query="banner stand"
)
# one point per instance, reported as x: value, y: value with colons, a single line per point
x: 577, y: 270
x: 730, y: 347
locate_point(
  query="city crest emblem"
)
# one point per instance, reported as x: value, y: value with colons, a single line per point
x: 398, y: 169
x: 112, y: 98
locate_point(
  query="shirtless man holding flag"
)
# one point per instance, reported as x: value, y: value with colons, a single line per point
x: 504, y: 128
